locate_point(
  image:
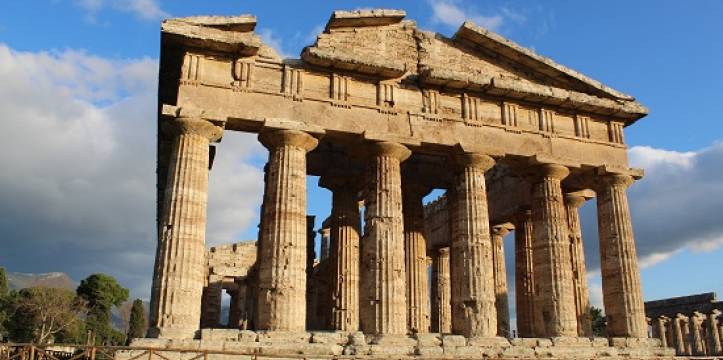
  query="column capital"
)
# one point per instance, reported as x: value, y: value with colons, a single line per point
x: 614, y: 180
x: 277, y: 138
x: 192, y: 125
x: 502, y: 229
x: 386, y: 149
x: 443, y: 250
x: 475, y: 160
x: 574, y: 200
x: 554, y: 171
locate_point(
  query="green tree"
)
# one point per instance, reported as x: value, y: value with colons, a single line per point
x: 4, y: 303
x: 137, y: 320
x: 4, y: 287
x: 102, y: 292
x: 43, y: 315
x: 598, y: 322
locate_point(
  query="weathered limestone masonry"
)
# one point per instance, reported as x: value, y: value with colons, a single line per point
x: 689, y: 324
x: 383, y: 113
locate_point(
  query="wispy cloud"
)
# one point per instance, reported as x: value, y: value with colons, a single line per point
x: 143, y: 9
x: 452, y: 14
x: 271, y: 39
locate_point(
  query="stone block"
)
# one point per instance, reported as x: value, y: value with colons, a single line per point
x: 387, y: 349
x: 426, y: 340
x: 393, y: 340
x: 571, y: 352
x: 212, y: 345
x: 429, y: 351
x: 283, y: 337
x: 213, y: 356
x: 248, y: 336
x: 606, y: 351
x: 488, y: 342
x: 526, y: 342
x: 470, y: 352
x: 518, y: 352
x: 357, y: 338
x: 600, y: 342
x: 150, y: 343
x: 240, y: 347
x: 571, y: 341
x: 453, y: 340
x: 329, y: 337
x: 542, y: 342
x: 184, y: 344
x: 220, y: 334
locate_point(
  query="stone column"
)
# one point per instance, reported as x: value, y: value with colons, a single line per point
x: 659, y: 330
x: 345, y: 231
x: 383, y: 278
x: 577, y: 259
x: 622, y: 294
x: 325, y: 247
x: 696, y: 336
x: 415, y: 250
x: 524, y: 275
x: 180, y: 261
x: 714, y: 339
x: 471, y: 269
x: 554, y: 297
x: 679, y: 324
x: 281, y: 303
x: 500, y: 277
x: 441, y: 292
x: 211, y: 304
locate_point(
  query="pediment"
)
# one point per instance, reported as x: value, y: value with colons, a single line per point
x: 381, y: 43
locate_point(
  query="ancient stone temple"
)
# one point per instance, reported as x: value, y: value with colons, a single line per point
x: 384, y: 113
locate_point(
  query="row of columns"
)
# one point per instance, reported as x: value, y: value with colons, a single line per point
x: 391, y: 274
x: 695, y: 335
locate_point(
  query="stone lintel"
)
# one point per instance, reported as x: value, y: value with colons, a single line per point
x: 238, y: 23
x: 288, y: 124
x: 635, y: 173
x: 540, y: 159
x: 173, y: 111
x: 365, y: 17
x: 210, y: 38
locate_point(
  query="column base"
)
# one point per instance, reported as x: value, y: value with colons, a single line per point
x: 220, y: 343
x: 174, y: 333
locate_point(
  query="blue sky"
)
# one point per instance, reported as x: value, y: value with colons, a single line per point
x: 77, y: 95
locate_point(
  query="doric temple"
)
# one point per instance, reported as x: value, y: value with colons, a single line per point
x: 384, y: 113
x: 692, y: 325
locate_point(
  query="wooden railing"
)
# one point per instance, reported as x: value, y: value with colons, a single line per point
x: 17, y: 351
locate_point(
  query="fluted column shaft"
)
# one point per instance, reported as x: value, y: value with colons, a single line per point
x: 713, y: 335
x: 622, y: 293
x: 180, y: 262
x: 524, y: 275
x: 679, y: 324
x: 696, y: 331
x: 384, y: 301
x: 659, y: 329
x: 473, y: 290
x: 282, y: 274
x: 500, y: 274
x: 579, y: 270
x: 555, y: 302
x: 441, y: 292
x: 415, y: 252
x: 344, y: 255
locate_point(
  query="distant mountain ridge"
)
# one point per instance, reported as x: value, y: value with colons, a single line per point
x: 61, y: 280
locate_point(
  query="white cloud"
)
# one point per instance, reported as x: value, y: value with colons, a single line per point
x: 77, y: 149
x: 144, y: 9
x: 449, y: 13
x: 677, y: 205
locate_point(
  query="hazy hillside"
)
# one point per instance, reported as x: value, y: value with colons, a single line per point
x: 53, y: 279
